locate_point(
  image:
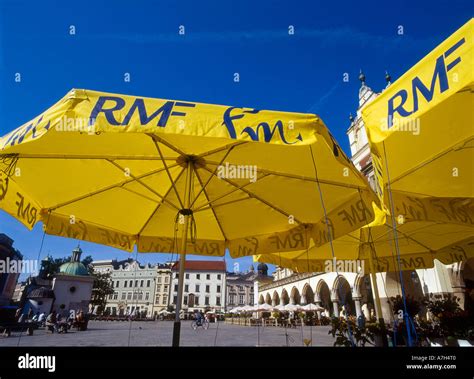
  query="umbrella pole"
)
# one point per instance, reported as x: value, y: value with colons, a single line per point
x: 378, y: 306
x: 182, y: 257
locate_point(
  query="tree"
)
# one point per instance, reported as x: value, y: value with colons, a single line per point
x: 101, y: 289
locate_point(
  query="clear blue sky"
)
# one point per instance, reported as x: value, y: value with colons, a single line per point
x: 301, y: 72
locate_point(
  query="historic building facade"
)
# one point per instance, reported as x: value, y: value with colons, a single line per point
x: 351, y: 291
x: 134, y: 287
x: 204, y: 285
x: 240, y: 288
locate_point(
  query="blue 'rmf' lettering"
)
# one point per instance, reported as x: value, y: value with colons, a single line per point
x: 110, y: 104
x: 417, y: 85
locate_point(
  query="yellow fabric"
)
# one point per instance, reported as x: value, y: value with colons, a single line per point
x: 427, y: 229
x: 419, y: 245
x: 421, y: 128
x: 123, y: 185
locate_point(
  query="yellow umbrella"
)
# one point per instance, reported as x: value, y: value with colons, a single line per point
x: 421, y: 128
x: 166, y: 176
x: 419, y: 246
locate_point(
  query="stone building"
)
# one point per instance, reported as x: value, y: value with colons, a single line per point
x: 134, y: 287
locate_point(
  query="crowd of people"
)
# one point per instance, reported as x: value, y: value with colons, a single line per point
x: 54, y: 321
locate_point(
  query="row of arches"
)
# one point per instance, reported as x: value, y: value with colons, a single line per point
x: 331, y: 298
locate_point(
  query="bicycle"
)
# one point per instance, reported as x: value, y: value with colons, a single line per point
x: 204, y: 324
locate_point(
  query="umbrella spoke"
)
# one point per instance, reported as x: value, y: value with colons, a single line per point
x: 145, y: 185
x: 203, y: 187
x: 169, y: 174
x: 255, y: 196
x: 225, y: 195
x: 159, y: 205
x: 212, y: 209
x: 107, y: 188
x: 300, y: 177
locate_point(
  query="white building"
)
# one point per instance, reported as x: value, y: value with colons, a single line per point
x: 354, y: 291
x: 134, y: 287
x: 163, y: 288
x: 204, y: 285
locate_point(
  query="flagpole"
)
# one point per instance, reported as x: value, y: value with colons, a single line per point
x: 182, y: 259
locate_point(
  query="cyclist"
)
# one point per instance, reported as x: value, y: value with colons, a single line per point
x: 199, y: 318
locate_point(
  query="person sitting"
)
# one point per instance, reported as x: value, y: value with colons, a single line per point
x: 51, y: 321
x: 41, y: 318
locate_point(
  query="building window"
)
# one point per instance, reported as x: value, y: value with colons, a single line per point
x: 159, y: 279
x: 196, y: 300
x: 124, y: 295
x: 125, y: 284
x: 186, y: 288
x: 130, y: 284
x: 206, y: 300
x: 148, y: 283
x: 117, y: 284
x: 176, y: 276
x: 251, y: 299
x: 208, y: 276
x: 218, y: 289
x: 187, y: 276
x: 157, y: 299
x: 198, y: 276
x: 165, y: 299
x: 232, y: 299
x: 175, y: 299
x: 218, y: 300
x: 185, y: 301
x: 136, y: 283
x: 141, y: 283
x: 197, y: 288
x: 115, y: 295
x: 208, y: 288
x: 129, y: 296
x: 176, y: 287
x: 158, y: 287
x: 134, y: 296
x: 218, y: 276
x: 166, y: 288
x: 167, y: 279
x: 241, y: 299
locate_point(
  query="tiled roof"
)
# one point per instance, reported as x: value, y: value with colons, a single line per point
x: 201, y: 266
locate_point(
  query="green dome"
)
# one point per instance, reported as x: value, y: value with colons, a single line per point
x: 73, y: 268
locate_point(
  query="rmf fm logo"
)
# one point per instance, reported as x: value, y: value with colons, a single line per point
x: 440, y: 74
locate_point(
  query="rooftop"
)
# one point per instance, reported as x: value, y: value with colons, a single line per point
x: 201, y: 266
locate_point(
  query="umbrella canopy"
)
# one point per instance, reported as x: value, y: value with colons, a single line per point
x: 312, y: 308
x: 291, y: 307
x: 421, y: 133
x: 125, y: 171
x: 235, y: 310
x: 172, y: 176
x: 420, y: 243
x: 264, y: 307
x: 279, y: 307
x: 248, y: 308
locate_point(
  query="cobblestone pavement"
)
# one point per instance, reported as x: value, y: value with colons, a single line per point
x: 159, y: 333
